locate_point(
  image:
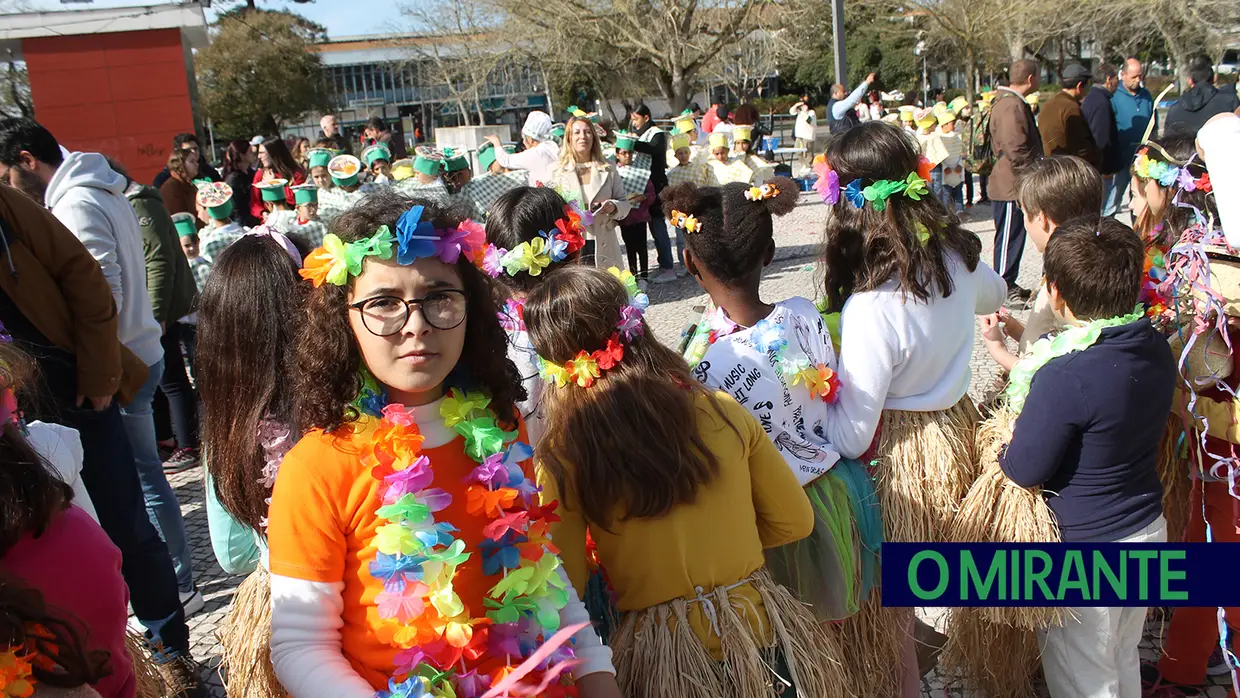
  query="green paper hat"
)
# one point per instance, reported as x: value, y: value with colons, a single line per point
x: 625, y: 140
x: 557, y: 130
x: 378, y: 151
x: 486, y: 156
x: 344, y: 170
x: 455, y: 161
x: 272, y: 189
x: 216, y: 197
x: 319, y: 157
x: 428, y: 166
x: 186, y: 225
x: 306, y: 194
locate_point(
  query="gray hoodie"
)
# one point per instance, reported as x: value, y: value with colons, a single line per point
x: 88, y: 197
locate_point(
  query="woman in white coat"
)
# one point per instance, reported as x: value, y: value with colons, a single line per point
x: 584, y: 177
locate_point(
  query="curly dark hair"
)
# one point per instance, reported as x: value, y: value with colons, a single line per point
x: 736, y: 234
x: 328, y: 357
x: 865, y: 247
x: 51, y: 634
x: 518, y: 216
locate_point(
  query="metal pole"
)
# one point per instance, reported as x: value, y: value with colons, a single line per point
x: 925, y: 82
x: 837, y: 27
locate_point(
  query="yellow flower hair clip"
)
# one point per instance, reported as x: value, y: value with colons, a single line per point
x: 685, y: 222
x: 766, y: 191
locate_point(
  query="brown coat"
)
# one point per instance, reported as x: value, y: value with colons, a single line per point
x: 56, y: 283
x: 1014, y: 140
x: 1065, y: 131
x: 179, y: 196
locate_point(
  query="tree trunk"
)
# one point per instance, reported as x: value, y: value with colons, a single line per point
x: 970, y: 72
x: 682, y: 91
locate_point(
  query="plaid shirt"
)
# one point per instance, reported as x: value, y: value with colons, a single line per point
x: 482, y: 191
x: 435, y: 191
x: 216, y: 240
x: 313, y: 232
x: 693, y: 173
x: 333, y: 202
x: 634, y: 179
x: 201, y: 269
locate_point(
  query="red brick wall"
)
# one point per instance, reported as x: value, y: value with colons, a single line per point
x: 124, y: 94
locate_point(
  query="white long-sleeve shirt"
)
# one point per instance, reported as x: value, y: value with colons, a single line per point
x: 841, y: 107
x: 898, y: 353
x: 538, y: 160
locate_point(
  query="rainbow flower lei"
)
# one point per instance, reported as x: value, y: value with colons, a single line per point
x: 1167, y: 174
x: 437, y: 634
x: 587, y: 366
x: 532, y: 256
x: 335, y: 261
x: 915, y: 186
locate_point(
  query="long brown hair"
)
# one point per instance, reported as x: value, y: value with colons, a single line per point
x: 31, y: 496
x: 248, y: 315
x: 628, y: 446
x: 329, y: 363
x: 1180, y: 151
x: 568, y: 160
x: 233, y: 156
x: 865, y: 247
x: 54, y: 636
x: 281, y: 159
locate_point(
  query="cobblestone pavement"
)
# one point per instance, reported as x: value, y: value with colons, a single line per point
x: 671, y: 307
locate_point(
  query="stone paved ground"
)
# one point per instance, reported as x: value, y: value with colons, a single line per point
x: 671, y: 306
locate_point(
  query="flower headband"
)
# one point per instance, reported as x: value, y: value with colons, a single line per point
x: 1168, y: 174
x: 532, y: 256
x: 335, y: 261
x: 915, y: 186
x: 586, y: 367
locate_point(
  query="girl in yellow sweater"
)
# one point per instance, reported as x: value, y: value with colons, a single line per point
x: 681, y: 490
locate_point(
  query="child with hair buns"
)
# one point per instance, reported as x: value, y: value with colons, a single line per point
x: 681, y: 490
x: 777, y: 361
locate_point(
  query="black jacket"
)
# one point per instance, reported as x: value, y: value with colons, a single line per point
x: 339, y: 142
x: 656, y: 148
x: 1196, y: 106
x: 1089, y: 432
x: 204, y: 170
x: 1096, y: 108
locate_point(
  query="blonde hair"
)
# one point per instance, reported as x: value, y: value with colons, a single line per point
x: 568, y: 158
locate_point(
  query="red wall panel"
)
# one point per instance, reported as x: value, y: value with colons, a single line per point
x: 124, y: 94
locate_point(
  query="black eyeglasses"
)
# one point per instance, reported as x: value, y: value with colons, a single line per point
x: 384, y: 316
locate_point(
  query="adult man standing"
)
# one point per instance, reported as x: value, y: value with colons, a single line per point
x: 1201, y: 101
x: 805, y: 129
x: 56, y: 304
x: 331, y: 132
x: 1064, y: 131
x: 188, y: 142
x: 841, y: 110
x: 1096, y: 108
x: 88, y: 197
x: 653, y: 142
x: 1015, y: 142
x: 1133, y: 107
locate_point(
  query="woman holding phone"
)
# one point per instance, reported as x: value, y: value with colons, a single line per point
x: 582, y: 176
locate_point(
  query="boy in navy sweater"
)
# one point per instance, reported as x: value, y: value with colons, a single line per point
x: 1087, y: 435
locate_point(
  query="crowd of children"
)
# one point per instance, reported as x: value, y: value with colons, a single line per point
x: 440, y: 443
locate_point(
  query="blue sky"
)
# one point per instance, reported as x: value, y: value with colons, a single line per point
x: 341, y: 17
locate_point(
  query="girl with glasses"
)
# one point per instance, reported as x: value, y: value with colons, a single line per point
x: 409, y: 549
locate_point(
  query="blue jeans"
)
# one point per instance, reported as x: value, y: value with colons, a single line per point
x: 950, y: 196
x: 111, y: 480
x: 662, y: 242
x: 1113, y: 198
x: 161, y: 502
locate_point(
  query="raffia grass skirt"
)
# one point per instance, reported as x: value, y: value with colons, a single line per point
x: 1174, y: 472
x: 148, y: 682
x: 658, y: 654
x: 926, y: 463
x: 245, y: 641
x: 994, y: 650
x: 834, y: 568
x: 872, y: 641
